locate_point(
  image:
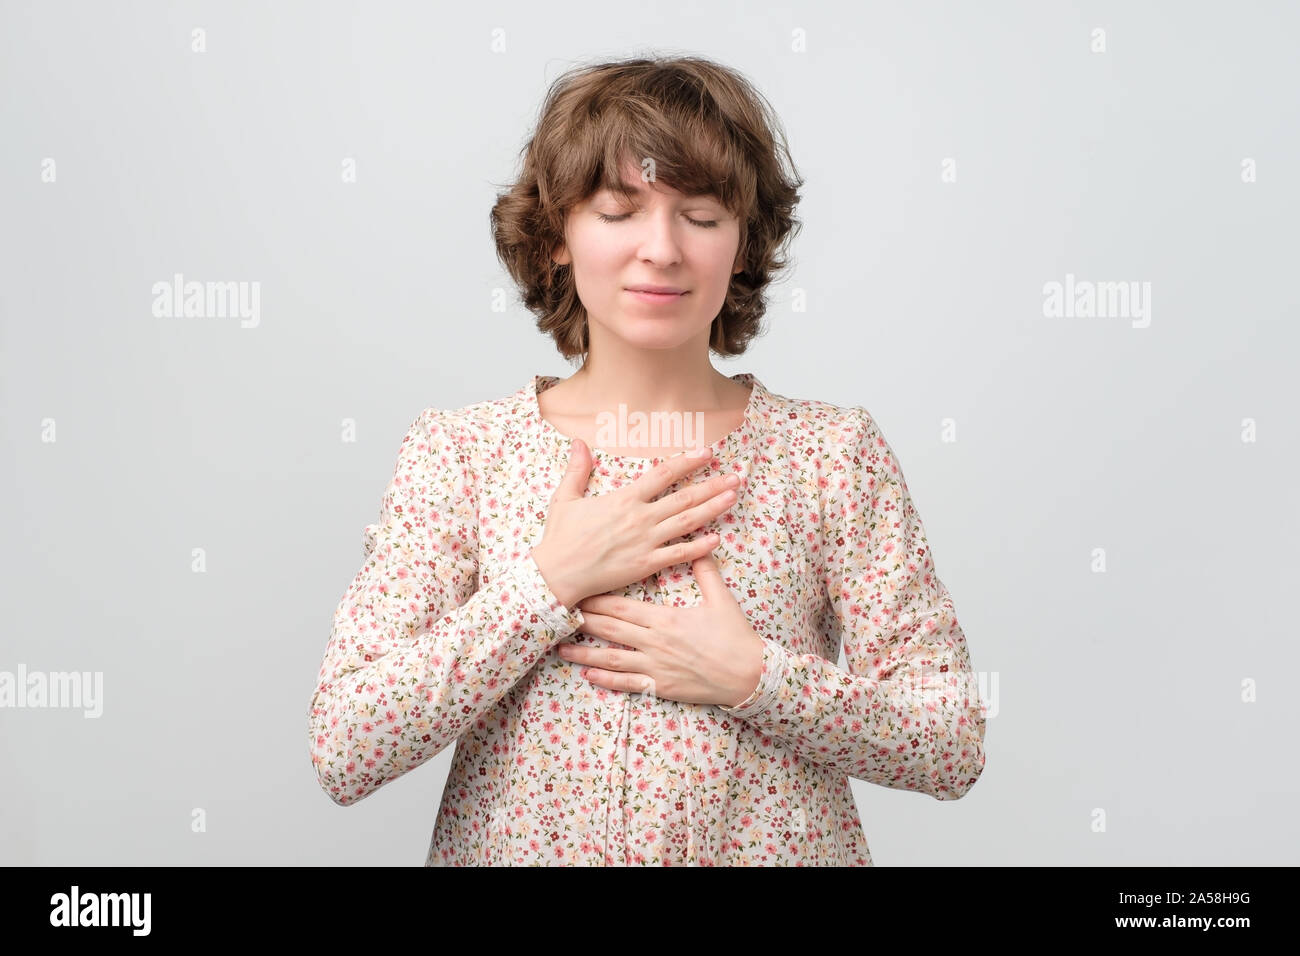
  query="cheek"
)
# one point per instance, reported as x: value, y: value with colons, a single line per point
x: 720, y: 254
x: 594, y: 253
x: 716, y: 262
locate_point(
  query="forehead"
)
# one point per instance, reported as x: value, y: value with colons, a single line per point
x: 640, y: 190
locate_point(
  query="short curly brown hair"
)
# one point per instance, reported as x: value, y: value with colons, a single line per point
x: 708, y: 131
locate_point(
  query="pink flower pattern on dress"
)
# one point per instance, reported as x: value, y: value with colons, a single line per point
x: 448, y: 634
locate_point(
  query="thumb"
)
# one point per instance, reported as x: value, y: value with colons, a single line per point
x: 709, y: 578
x: 574, y: 483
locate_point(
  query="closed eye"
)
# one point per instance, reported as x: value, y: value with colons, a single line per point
x: 702, y: 223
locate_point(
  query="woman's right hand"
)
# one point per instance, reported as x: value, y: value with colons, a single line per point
x: 593, y: 545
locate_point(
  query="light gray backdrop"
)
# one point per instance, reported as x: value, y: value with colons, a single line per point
x: 1115, y: 518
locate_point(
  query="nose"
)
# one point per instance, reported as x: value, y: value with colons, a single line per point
x: 658, y: 241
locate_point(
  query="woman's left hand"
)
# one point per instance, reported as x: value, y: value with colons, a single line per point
x: 707, y: 654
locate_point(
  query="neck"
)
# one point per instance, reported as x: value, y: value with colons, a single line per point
x: 655, y: 381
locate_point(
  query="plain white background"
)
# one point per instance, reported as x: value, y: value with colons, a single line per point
x: 1118, y: 691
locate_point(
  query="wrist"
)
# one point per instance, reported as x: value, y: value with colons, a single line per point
x: 752, y: 675
x: 565, y: 592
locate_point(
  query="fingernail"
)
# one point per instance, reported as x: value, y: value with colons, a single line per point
x: 701, y: 452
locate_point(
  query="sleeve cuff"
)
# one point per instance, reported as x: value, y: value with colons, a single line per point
x: 542, y: 600
x: 770, y: 682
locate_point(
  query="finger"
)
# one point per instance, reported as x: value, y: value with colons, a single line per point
x: 625, y: 609
x: 574, y: 483
x: 684, y: 551
x: 709, y: 578
x: 606, y: 658
x: 693, y: 519
x: 616, y: 630
x: 616, y: 680
x: 702, y: 493
x: 667, y: 473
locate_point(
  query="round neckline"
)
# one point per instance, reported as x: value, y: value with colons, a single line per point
x: 722, y: 447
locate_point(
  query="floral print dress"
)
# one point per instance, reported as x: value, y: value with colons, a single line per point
x: 448, y: 635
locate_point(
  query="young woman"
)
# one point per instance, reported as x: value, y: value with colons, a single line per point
x: 632, y: 647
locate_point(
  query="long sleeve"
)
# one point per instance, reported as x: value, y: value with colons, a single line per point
x: 419, y: 648
x: 908, y: 714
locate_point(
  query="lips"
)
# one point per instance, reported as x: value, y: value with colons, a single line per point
x: 657, y: 289
x: 657, y: 298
